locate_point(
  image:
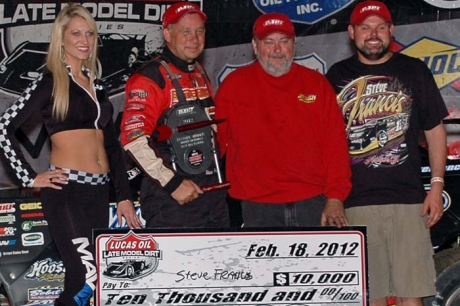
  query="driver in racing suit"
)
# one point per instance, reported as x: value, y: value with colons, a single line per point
x: 171, y: 197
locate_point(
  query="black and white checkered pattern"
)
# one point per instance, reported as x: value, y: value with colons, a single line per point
x: 82, y: 177
x: 21, y: 172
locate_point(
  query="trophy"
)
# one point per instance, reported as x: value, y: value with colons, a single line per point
x: 190, y: 137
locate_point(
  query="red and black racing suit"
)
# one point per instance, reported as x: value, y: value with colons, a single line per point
x: 150, y: 93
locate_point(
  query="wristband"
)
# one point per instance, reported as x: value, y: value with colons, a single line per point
x: 437, y: 179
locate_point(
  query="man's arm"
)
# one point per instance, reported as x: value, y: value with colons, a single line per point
x: 338, y: 180
x: 144, y: 105
x: 437, y: 150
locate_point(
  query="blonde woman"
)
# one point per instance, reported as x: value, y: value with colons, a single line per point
x: 85, y: 153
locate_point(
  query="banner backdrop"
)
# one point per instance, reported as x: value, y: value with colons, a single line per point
x: 130, y: 32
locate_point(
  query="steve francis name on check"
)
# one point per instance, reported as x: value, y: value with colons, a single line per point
x: 218, y: 274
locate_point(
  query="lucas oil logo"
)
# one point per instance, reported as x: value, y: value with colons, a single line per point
x: 130, y: 256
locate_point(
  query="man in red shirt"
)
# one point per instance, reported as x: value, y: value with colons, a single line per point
x: 283, y: 136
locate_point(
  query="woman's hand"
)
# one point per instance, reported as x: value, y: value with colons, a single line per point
x: 125, y: 209
x: 51, y: 179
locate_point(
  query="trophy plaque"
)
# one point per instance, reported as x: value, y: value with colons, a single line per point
x: 189, y: 135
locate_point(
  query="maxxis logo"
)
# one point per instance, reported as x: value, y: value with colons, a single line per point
x: 447, y: 4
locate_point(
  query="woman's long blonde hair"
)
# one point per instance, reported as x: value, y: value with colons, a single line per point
x: 55, y: 59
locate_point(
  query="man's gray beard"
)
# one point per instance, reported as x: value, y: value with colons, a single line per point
x: 276, y: 72
x: 373, y: 56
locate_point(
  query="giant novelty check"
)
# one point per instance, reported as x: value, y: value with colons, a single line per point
x: 311, y: 267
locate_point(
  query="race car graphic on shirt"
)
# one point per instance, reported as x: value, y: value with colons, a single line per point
x: 376, y: 111
x: 376, y: 133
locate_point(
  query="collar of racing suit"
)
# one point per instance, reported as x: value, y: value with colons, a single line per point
x: 179, y: 63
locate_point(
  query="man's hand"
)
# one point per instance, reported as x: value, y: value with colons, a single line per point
x: 334, y: 214
x: 186, y: 192
x: 437, y: 146
x: 433, y: 205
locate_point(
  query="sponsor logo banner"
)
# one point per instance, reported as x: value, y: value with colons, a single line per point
x: 448, y: 4
x: 303, y: 11
x: 46, y: 270
x: 44, y: 293
x: 442, y: 59
x: 7, y: 208
x: 30, y: 239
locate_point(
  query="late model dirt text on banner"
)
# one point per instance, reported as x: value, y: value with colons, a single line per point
x: 306, y: 267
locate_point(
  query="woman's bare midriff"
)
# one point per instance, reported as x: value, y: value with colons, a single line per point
x: 79, y: 150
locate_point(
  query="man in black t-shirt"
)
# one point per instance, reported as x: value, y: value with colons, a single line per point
x: 387, y: 100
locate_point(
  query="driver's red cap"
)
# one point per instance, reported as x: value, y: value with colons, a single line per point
x: 370, y: 8
x: 176, y: 11
x: 273, y: 22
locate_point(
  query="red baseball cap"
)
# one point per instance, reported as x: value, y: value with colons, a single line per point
x: 178, y: 10
x: 271, y: 23
x: 369, y: 8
